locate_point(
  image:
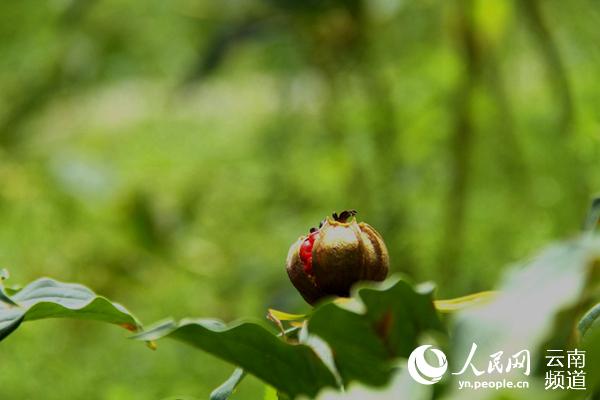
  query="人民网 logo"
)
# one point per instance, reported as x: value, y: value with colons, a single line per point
x: 420, y: 369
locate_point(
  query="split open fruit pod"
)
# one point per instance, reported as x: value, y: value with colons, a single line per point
x: 332, y: 258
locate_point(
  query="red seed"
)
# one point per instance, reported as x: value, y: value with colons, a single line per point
x: 306, y: 251
x: 308, y: 266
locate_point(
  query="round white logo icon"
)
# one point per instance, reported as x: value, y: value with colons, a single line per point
x: 421, y: 371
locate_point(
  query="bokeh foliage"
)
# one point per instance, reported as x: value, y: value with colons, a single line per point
x: 166, y: 154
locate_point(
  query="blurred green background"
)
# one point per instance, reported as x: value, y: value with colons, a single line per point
x: 166, y: 154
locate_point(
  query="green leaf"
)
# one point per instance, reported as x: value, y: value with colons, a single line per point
x: 322, y: 350
x: 589, y: 319
x: 5, y: 300
x: 359, y: 353
x: 284, y: 316
x: 270, y: 393
x: 530, y: 308
x: 591, y: 345
x: 463, y: 302
x: 531, y: 296
x: 359, y: 346
x: 10, y: 319
x: 291, y: 368
x: 47, y: 298
x: 224, y: 391
x: 366, y: 344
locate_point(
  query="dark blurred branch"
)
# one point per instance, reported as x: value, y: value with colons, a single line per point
x: 572, y: 173
x: 212, y: 55
x: 36, y: 96
x: 390, y: 164
x: 461, y: 147
x: 509, y: 152
x: 534, y: 18
x: 32, y: 99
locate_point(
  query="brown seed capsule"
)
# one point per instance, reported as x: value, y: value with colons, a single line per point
x: 331, y: 259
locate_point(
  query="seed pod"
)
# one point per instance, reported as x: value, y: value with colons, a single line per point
x: 331, y: 259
